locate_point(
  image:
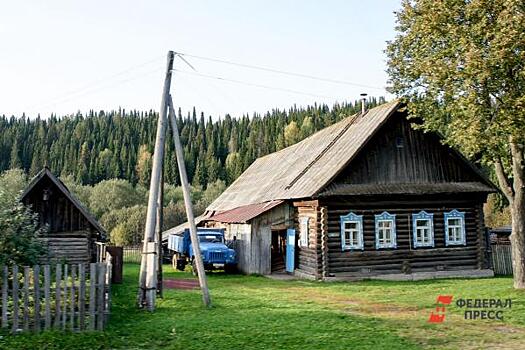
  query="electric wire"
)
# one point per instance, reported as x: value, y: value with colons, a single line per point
x: 279, y: 71
x: 254, y: 84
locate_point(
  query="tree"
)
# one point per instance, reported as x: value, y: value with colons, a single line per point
x: 19, y: 232
x: 15, y: 156
x: 113, y: 194
x: 13, y: 182
x: 291, y: 133
x: 144, y: 164
x: 459, y: 64
x: 126, y: 225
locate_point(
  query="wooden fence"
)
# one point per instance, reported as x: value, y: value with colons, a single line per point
x: 501, y: 259
x: 68, y: 297
x: 132, y: 254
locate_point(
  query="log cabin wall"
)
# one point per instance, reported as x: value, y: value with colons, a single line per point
x: 69, y: 235
x: 308, y: 259
x: 405, y: 258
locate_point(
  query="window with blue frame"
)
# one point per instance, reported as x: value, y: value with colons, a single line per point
x: 423, y: 228
x: 455, y: 228
x: 352, y: 232
x: 385, y: 231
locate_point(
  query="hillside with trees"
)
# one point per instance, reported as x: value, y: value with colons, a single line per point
x: 119, y: 144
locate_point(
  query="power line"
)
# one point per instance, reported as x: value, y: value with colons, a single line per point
x: 86, y: 92
x: 279, y: 71
x: 72, y: 94
x: 254, y: 84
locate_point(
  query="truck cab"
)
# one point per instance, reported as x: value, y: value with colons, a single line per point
x: 215, y: 254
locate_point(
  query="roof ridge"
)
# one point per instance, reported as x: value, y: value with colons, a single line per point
x: 325, y: 150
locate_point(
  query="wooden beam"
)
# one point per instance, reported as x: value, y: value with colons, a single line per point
x: 189, y: 209
x: 146, y: 297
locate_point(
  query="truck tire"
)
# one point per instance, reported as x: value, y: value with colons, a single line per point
x: 230, y: 268
x: 194, y: 268
x: 176, y: 257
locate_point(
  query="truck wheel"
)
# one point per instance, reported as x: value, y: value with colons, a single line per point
x: 230, y: 269
x: 194, y: 268
x: 174, y: 259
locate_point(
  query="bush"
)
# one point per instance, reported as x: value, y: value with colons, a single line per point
x: 19, y: 232
x: 113, y: 194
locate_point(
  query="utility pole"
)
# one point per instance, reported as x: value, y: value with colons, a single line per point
x: 158, y: 230
x: 148, y: 270
x: 189, y: 209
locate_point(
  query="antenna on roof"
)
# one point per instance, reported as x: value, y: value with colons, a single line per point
x: 363, y: 102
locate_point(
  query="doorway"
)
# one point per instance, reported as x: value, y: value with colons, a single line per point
x: 278, y: 250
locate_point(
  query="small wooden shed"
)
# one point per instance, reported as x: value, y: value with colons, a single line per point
x: 72, y: 232
x: 368, y: 197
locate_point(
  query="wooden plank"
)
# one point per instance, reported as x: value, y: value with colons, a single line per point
x: 25, y: 311
x: 5, y: 277
x: 72, y: 299
x: 36, y: 291
x: 15, y: 298
x: 81, y: 296
x: 92, y: 294
x: 64, y: 306
x: 101, y: 267
x: 47, y: 297
x: 109, y: 277
x: 58, y: 292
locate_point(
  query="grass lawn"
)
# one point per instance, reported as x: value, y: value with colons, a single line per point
x: 251, y: 312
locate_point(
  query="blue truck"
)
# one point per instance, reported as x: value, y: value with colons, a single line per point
x: 215, y: 254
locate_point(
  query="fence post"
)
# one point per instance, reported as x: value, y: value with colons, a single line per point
x: 81, y: 296
x: 5, y: 276
x: 26, y: 298
x: 58, y: 292
x: 47, y: 296
x: 100, y: 295
x: 15, y: 298
x: 92, y: 286
x: 72, y: 298
x: 64, y: 307
x: 36, y: 290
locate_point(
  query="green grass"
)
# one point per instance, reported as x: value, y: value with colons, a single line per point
x: 251, y: 312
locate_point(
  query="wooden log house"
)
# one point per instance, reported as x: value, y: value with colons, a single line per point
x: 368, y: 197
x: 71, y: 232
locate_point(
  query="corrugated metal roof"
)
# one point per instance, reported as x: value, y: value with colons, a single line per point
x: 303, y: 169
x: 245, y: 213
x: 411, y: 188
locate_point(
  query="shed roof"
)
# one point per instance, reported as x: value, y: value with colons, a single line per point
x: 45, y: 172
x: 245, y: 213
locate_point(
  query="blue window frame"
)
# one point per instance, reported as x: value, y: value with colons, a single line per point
x: 455, y: 228
x: 386, y: 230
x: 352, y: 232
x: 423, y: 229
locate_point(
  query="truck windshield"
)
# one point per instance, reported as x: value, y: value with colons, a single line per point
x: 210, y: 238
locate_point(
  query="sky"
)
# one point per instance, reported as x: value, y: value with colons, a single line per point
x: 67, y: 56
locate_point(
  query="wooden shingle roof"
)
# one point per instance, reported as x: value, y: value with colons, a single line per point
x: 305, y: 168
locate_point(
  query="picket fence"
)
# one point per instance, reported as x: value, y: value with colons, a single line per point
x: 132, y: 254
x: 67, y: 297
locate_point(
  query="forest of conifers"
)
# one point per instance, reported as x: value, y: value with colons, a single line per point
x: 118, y: 144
